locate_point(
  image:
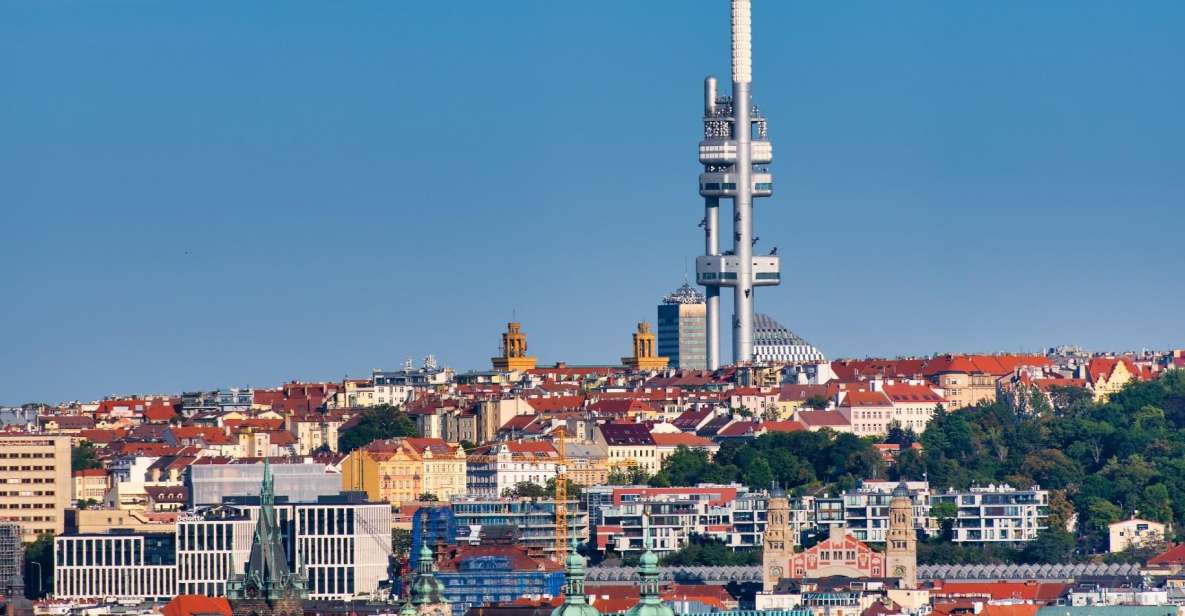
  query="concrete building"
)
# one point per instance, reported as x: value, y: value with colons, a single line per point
x: 997, y: 513
x: 774, y: 343
x: 681, y: 321
x: 35, y: 482
x: 866, y: 510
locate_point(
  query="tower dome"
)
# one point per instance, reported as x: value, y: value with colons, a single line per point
x: 650, y: 603
x: 575, y: 603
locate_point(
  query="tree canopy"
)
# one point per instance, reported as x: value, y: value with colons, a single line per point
x: 381, y: 422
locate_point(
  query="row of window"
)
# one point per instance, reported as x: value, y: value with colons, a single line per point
x: 27, y: 455
x: 733, y: 186
x: 29, y: 493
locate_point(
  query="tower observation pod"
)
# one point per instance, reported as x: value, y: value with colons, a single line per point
x: 735, y: 152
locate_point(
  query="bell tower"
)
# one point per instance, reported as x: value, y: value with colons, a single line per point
x: 645, y: 356
x: 901, y: 542
x: 514, y: 350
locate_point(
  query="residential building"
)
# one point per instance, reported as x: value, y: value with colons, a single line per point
x: 401, y: 469
x: 1108, y: 375
x: 533, y: 519
x: 398, y: 387
x: 495, y: 468
x: 627, y: 520
x: 913, y: 404
x: 667, y: 443
x: 774, y: 343
x: 90, y: 485
x: 1134, y: 533
x: 869, y: 412
x: 866, y: 509
x: 588, y: 464
x: 627, y: 446
x: 35, y: 482
x: 682, y: 316
x: 997, y: 513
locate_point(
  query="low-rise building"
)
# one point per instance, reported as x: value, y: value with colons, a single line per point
x: 493, y: 469
x: 90, y: 484
x: 628, y: 446
x: 534, y: 520
x: 1134, y: 533
x: 628, y: 520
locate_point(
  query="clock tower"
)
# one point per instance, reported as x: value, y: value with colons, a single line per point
x: 901, y: 542
x: 779, y: 541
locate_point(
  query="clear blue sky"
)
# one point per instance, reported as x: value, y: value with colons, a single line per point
x: 208, y: 194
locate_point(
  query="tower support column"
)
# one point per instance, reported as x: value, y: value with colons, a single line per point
x: 712, y: 295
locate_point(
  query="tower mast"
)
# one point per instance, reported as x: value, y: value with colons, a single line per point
x: 734, y: 167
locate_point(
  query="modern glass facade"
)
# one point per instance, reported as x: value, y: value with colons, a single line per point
x: 682, y: 317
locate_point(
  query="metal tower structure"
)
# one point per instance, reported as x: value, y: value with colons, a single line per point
x: 734, y: 152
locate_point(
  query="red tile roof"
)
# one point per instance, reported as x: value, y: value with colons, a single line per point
x: 1042, y: 592
x: 1172, y: 556
x: 861, y: 399
x: 556, y: 403
x: 196, y: 605
x: 738, y: 429
x: 823, y: 418
x: 686, y: 439
x: 905, y: 393
x: 783, y: 426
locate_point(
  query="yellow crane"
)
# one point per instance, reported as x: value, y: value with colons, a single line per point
x: 561, y: 498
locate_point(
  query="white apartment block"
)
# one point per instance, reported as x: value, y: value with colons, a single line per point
x: 997, y: 513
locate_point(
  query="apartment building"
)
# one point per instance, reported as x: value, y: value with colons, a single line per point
x: 628, y: 519
x: 866, y: 509
x: 997, y: 513
x: 35, y: 482
x: 492, y: 469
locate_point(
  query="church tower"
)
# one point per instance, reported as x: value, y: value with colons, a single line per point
x: 427, y: 592
x: 268, y: 587
x: 575, y: 602
x: 645, y: 355
x: 779, y: 540
x: 514, y: 351
x: 901, y: 542
x: 650, y: 593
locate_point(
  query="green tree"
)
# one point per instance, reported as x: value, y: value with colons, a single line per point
x: 708, y: 551
x: 945, y: 513
x: 1052, y: 545
x: 818, y: 402
x: 758, y: 475
x: 84, y: 457
x: 381, y: 422
x: 575, y: 491
x: 525, y: 489
x: 401, y: 542
x: 39, y: 567
x: 427, y: 497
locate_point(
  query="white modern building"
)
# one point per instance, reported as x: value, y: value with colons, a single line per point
x: 340, y: 542
x: 997, y: 513
x: 139, y: 566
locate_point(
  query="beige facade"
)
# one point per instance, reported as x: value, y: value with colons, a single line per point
x: 35, y: 482
x: 101, y: 521
x: 1134, y: 533
x: 90, y: 484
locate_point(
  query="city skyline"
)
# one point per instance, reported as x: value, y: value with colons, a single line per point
x: 211, y: 198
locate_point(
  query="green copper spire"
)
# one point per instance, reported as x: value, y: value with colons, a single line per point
x: 650, y: 603
x: 426, y: 589
x: 575, y: 603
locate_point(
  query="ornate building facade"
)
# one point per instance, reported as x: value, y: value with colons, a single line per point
x: 268, y: 587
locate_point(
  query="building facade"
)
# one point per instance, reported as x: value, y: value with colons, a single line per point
x: 997, y: 513
x: 495, y: 468
x: 127, y: 566
x: 35, y: 482
x: 682, y: 316
x: 534, y: 520
x: 629, y: 520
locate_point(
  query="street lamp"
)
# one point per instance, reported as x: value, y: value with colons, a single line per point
x: 33, y: 562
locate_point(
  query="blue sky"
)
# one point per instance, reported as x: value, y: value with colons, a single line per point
x: 199, y: 195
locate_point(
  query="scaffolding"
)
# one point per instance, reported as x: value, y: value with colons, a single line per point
x: 11, y: 556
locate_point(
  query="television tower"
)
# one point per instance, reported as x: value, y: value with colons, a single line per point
x: 734, y: 153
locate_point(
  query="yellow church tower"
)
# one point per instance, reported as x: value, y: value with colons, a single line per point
x: 514, y: 351
x: 779, y: 541
x: 645, y: 357
x: 901, y: 542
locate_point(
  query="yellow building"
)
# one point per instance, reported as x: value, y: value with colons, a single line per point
x: 645, y: 357
x: 1108, y: 375
x: 36, y: 473
x: 400, y: 470
x: 514, y: 351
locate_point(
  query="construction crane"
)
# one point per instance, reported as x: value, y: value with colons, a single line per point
x: 561, y: 498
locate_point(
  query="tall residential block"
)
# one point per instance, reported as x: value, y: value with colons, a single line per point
x: 681, y: 323
x: 35, y: 482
